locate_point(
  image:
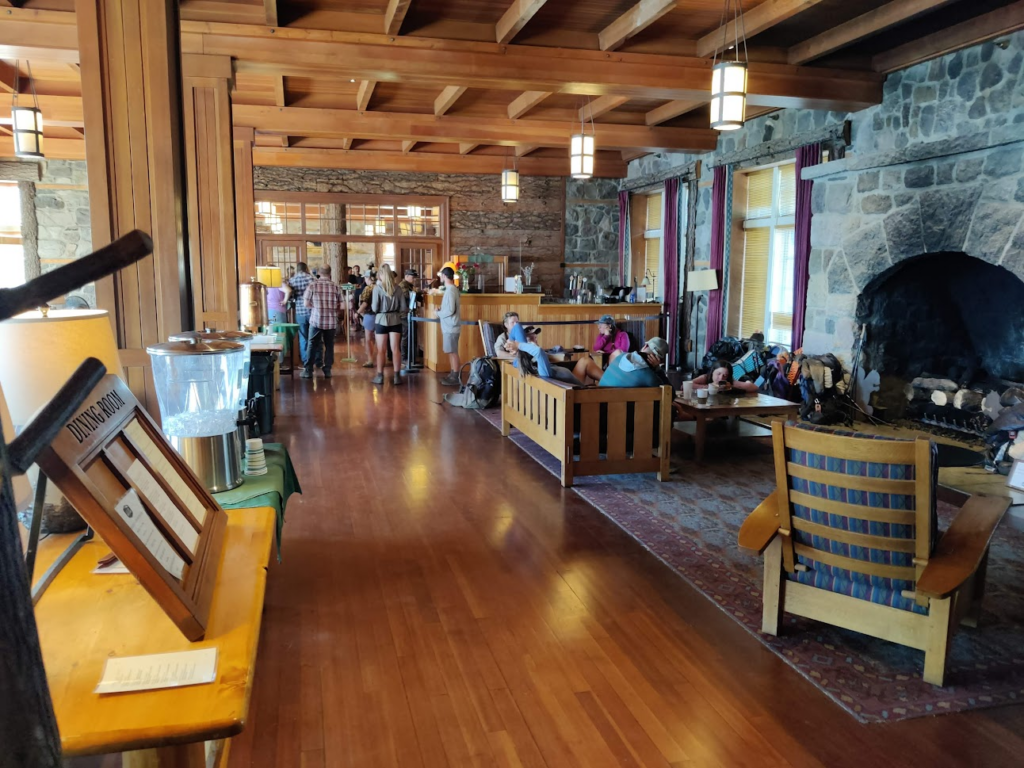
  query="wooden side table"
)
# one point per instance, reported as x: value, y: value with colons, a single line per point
x: 85, y: 618
x: 732, y: 404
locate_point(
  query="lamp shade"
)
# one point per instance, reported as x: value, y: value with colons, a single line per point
x: 702, y: 280
x: 581, y: 156
x: 27, y: 127
x: 40, y: 354
x: 509, y: 186
x: 269, y: 276
x: 22, y: 488
x: 728, y: 95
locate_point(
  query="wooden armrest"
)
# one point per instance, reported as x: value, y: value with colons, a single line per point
x: 963, y: 546
x: 761, y: 525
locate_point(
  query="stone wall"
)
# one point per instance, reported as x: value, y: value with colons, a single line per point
x: 478, y: 218
x: 936, y: 167
x: 592, y: 229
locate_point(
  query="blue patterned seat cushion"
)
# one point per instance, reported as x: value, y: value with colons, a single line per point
x: 852, y: 583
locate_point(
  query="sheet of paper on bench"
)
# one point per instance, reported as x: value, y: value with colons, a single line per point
x: 165, y: 470
x: 158, y: 670
x: 131, y: 510
x: 158, y: 497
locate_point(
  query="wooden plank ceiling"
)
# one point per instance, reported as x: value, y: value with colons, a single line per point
x: 466, y: 85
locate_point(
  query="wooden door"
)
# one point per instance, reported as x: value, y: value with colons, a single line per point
x: 283, y: 254
x: 422, y: 258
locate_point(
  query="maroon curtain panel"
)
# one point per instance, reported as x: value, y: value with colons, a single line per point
x: 671, y: 248
x: 806, y: 156
x: 623, y: 234
x: 714, y: 324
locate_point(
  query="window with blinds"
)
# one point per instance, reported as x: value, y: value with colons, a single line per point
x: 766, y: 292
x: 652, y: 245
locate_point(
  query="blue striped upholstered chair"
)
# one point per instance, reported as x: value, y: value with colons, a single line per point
x: 850, y: 539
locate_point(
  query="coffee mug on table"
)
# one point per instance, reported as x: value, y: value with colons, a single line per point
x: 702, y: 394
x: 712, y: 389
x: 688, y: 390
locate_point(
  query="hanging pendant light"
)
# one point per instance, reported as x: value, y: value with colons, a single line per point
x: 581, y: 150
x: 729, y: 77
x: 26, y: 122
x: 510, y: 184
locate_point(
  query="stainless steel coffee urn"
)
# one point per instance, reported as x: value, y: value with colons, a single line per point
x: 252, y: 305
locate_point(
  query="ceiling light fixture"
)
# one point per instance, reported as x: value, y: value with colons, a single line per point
x: 510, y: 183
x: 729, y: 76
x: 581, y: 149
x: 26, y: 122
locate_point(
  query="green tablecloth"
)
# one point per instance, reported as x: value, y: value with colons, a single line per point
x: 269, y: 490
x: 289, y: 331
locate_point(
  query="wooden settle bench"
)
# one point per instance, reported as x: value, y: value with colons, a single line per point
x: 590, y: 430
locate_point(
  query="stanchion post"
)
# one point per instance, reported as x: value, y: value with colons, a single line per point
x: 348, y: 325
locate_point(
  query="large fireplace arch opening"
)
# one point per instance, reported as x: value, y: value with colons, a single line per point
x: 948, y: 315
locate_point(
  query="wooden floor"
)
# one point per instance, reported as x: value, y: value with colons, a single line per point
x: 444, y: 602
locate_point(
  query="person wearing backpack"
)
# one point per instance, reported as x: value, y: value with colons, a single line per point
x: 388, y: 304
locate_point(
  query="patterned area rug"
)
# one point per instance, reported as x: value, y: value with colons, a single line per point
x: 691, y: 524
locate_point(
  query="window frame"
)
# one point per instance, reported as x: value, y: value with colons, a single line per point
x: 651, y: 234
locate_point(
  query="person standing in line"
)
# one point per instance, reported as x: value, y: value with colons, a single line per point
x: 408, y: 285
x: 389, y: 302
x: 451, y: 326
x: 299, y: 283
x: 364, y: 311
x: 323, y: 298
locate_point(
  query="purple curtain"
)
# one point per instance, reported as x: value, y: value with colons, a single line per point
x: 714, y: 325
x: 671, y: 243
x: 806, y: 156
x: 623, y: 234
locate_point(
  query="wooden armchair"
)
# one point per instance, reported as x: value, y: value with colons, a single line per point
x: 850, y: 538
x: 489, y: 333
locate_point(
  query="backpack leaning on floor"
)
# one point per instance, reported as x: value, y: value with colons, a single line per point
x: 482, y: 389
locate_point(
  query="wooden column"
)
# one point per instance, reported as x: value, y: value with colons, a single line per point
x: 210, y: 189
x: 132, y: 108
x: 245, y: 204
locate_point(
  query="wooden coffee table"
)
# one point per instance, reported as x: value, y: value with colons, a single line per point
x: 732, y: 404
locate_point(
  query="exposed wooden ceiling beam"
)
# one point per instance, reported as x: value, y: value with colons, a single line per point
x: 281, y: 101
x: 531, y: 68
x: 600, y: 106
x: 407, y: 146
x: 43, y: 35
x: 465, y: 149
x: 56, y: 149
x: 1002, y: 21
x: 756, y: 20
x: 634, y: 21
x: 363, y: 95
x: 395, y: 15
x: 58, y: 111
x: 270, y: 12
x: 524, y: 102
x: 666, y: 112
x: 606, y: 165
x: 447, y: 99
x: 632, y: 154
x: 387, y: 125
x: 524, y: 149
x: 865, y: 25
x: 515, y: 18
x: 346, y: 143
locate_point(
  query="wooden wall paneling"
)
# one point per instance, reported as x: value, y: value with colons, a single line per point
x: 209, y: 152
x: 132, y: 107
x: 245, y: 218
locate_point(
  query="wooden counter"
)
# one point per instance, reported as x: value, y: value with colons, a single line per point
x: 493, y: 306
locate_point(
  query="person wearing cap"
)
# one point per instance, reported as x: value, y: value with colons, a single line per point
x: 530, y: 358
x: 638, y: 369
x: 451, y: 326
x: 609, y: 337
x: 408, y: 286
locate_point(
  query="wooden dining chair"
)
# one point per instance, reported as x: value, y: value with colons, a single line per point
x: 850, y: 538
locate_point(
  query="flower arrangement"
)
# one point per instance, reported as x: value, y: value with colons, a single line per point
x: 467, y: 274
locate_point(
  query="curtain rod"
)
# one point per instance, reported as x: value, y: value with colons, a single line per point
x: 683, y: 173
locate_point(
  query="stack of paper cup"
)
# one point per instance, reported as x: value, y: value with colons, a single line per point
x: 255, y: 458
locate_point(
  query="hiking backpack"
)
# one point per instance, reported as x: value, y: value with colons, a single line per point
x: 482, y: 389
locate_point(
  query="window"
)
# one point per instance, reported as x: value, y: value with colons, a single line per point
x: 766, y: 292
x: 359, y: 219
x: 652, y: 244
x: 12, y: 258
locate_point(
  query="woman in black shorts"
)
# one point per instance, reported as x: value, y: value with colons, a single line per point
x: 389, y: 303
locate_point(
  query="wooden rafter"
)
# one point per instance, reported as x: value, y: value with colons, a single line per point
x: 365, y: 92
x: 633, y: 21
x: 465, y: 149
x: 389, y: 125
x: 280, y: 100
x: 447, y: 99
x: 43, y: 35
x: 270, y: 12
x: 395, y: 15
x: 1002, y: 21
x: 515, y: 18
x: 672, y: 109
x: 407, y: 146
x: 861, y: 27
x: 524, y: 149
x: 756, y: 20
x: 346, y: 143
x: 525, y: 102
x: 632, y: 154
x: 600, y: 106
x: 607, y: 165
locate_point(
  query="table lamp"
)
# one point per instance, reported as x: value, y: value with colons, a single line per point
x: 41, y: 351
x: 269, y: 276
x: 700, y: 280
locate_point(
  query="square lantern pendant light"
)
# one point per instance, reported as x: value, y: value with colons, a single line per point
x: 510, y: 184
x: 729, y: 75
x: 26, y: 122
x: 581, y: 150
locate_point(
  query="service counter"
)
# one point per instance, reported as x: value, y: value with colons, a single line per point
x: 492, y: 307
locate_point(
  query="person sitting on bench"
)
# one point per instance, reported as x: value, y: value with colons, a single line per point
x: 510, y: 320
x: 637, y: 369
x: 532, y: 360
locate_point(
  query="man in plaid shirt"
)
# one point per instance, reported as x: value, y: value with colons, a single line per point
x: 299, y: 282
x: 323, y: 298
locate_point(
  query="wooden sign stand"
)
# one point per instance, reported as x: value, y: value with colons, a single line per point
x: 114, y: 465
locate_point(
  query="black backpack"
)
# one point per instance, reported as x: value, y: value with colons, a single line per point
x: 482, y: 389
